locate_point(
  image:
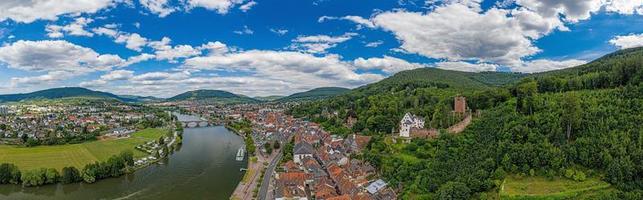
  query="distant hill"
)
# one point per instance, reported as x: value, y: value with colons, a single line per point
x: 144, y: 99
x: 65, y: 92
x: 439, y: 78
x: 213, y: 96
x: 315, y: 94
x: 269, y: 98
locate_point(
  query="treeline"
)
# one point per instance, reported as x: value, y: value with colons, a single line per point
x: 576, y: 123
x: 116, y: 165
x: 614, y: 70
x: 574, y: 134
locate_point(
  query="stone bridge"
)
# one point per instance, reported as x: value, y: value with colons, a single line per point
x: 194, y: 124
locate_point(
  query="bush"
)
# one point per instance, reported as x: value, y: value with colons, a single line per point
x: 453, y: 190
x: 579, y: 176
x: 71, y: 175
x: 9, y: 173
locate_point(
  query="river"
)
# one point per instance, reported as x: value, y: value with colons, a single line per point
x: 203, y: 168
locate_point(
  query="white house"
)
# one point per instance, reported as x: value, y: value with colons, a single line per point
x: 410, y: 121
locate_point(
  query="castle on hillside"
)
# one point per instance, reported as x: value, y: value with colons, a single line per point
x: 460, y: 105
x: 408, y: 122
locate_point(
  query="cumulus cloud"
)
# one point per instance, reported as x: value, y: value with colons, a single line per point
x: 319, y: 43
x: 294, y: 68
x: 115, y: 75
x: 60, y: 60
x: 55, y: 55
x: 459, y: 33
x: 27, y: 11
x: 627, y: 41
x: 542, y: 65
x: 164, y: 51
x: 466, y: 66
x: 158, y: 7
x: 132, y: 41
x: 570, y: 10
x: 360, y: 21
x: 387, y: 64
x: 220, y: 6
x: 628, y: 7
x: 76, y: 28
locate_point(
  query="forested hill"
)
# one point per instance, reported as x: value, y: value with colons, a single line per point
x: 315, y: 94
x: 574, y: 124
x: 57, y: 93
x: 616, y: 69
x: 434, y: 77
x: 213, y: 96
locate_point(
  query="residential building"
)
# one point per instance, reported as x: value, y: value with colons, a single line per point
x: 302, y: 150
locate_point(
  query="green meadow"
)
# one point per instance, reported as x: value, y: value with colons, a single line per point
x: 544, y: 188
x: 77, y: 155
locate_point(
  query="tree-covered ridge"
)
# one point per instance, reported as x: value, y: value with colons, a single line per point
x: 577, y: 123
x: 315, y: 94
x: 606, y: 141
x: 58, y: 93
x: 426, y: 92
x: 616, y: 69
x: 215, y: 96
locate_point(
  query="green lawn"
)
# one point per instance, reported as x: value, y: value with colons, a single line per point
x: 77, y: 155
x: 543, y: 188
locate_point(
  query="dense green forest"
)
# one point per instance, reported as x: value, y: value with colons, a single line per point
x: 314, y: 94
x: 577, y: 122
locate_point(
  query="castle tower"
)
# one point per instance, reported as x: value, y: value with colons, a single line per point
x: 460, y: 105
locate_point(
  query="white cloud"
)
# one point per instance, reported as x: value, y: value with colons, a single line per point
x: 459, y: 33
x: 221, y: 6
x: 164, y: 51
x: 132, y: 41
x: 570, y: 10
x: 27, y: 11
x: 319, y: 43
x: 628, y: 7
x: 466, y: 66
x: 158, y: 7
x: 387, y: 64
x: 360, y: 21
x: 627, y: 41
x: 543, y: 65
x: 59, y: 60
x: 116, y: 75
x: 55, y: 55
x: 215, y: 48
x: 279, y: 31
x: 374, y: 44
x: 247, y: 6
x: 292, y: 68
x: 244, y: 31
x: 76, y: 28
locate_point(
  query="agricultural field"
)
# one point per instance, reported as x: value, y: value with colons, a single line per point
x: 77, y: 155
x: 544, y: 188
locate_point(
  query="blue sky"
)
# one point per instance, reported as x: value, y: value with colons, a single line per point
x: 261, y: 47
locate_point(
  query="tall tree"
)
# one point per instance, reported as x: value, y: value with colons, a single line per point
x: 571, y: 113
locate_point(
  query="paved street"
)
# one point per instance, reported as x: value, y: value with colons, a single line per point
x: 268, y: 176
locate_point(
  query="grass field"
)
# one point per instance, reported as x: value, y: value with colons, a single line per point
x: 77, y: 155
x: 543, y: 188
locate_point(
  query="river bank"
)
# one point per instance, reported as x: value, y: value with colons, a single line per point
x: 204, y: 167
